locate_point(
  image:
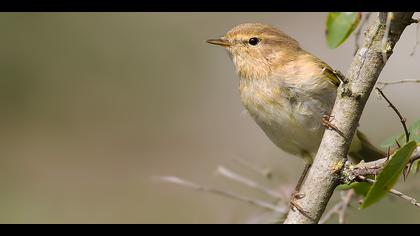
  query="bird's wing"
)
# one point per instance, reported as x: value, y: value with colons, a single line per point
x: 330, y: 75
x: 362, y: 149
x: 327, y: 72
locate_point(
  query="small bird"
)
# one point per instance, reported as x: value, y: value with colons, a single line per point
x: 287, y: 91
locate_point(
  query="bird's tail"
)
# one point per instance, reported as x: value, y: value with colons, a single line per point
x: 362, y: 149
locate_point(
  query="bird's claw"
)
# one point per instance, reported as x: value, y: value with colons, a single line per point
x: 295, y: 206
x: 326, y: 121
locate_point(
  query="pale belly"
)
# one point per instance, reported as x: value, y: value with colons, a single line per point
x: 292, y: 132
x: 292, y: 124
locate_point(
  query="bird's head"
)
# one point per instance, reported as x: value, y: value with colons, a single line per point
x: 256, y: 49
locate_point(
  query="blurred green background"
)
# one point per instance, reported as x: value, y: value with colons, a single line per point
x: 94, y: 106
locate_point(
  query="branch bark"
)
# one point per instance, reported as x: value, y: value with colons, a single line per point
x: 364, y: 71
x: 352, y: 172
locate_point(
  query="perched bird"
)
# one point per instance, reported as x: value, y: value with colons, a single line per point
x: 287, y: 91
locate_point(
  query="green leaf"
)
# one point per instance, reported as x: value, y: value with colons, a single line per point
x: 413, y: 129
x: 339, y: 27
x: 359, y: 188
x: 390, y: 142
x: 390, y: 174
x: 344, y: 187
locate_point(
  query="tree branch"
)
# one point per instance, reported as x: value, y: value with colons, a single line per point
x: 352, y: 172
x: 385, y: 45
x: 358, y: 32
x: 364, y: 71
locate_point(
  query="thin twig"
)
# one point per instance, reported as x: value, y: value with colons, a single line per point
x: 359, y: 31
x: 385, y: 49
x: 346, y: 199
x: 398, y: 144
x: 402, y: 119
x: 397, y: 193
x: 333, y: 211
x: 339, y: 209
x: 200, y: 188
x: 223, y: 171
x: 403, y: 81
x: 405, y: 173
x: 415, y: 21
x: 417, y: 40
x: 266, y: 173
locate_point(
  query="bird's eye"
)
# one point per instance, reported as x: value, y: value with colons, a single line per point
x: 254, y: 41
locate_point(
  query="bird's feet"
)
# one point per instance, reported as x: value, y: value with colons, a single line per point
x: 295, y: 206
x: 326, y: 121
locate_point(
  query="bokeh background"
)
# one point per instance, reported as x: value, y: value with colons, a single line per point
x: 95, y: 106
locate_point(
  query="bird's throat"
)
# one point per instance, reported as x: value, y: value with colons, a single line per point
x: 252, y: 69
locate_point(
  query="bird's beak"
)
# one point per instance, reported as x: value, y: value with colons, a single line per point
x: 221, y: 42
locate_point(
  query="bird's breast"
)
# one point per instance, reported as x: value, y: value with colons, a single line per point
x: 265, y: 101
x: 290, y: 118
